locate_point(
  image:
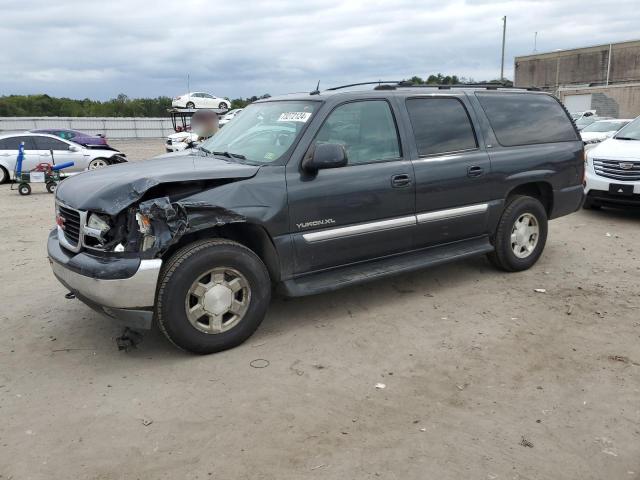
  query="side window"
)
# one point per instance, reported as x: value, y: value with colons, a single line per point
x: 440, y: 125
x: 47, y: 143
x: 526, y: 118
x: 367, y: 130
x: 12, y: 143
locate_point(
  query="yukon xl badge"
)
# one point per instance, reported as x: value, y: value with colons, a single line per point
x: 316, y: 223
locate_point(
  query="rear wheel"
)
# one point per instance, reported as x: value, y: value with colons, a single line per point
x: 4, y: 175
x: 213, y: 295
x: 51, y: 187
x: 98, y: 163
x: 190, y: 105
x: 521, y: 234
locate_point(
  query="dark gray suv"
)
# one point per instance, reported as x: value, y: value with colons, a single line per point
x: 307, y: 193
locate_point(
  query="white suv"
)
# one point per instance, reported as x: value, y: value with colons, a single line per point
x: 613, y: 169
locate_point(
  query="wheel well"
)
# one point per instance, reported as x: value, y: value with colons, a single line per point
x: 250, y: 235
x: 540, y: 190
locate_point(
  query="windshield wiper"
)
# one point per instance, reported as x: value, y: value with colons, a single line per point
x: 625, y: 138
x: 230, y: 155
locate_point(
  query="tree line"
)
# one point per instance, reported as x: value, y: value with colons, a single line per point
x: 123, y: 106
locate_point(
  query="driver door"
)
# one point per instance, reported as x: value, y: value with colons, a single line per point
x: 363, y: 210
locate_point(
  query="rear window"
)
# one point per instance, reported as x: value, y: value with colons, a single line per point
x: 525, y: 119
x: 440, y: 125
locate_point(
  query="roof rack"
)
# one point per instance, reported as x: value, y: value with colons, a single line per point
x: 393, y: 84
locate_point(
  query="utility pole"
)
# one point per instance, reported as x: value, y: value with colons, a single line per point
x: 535, y: 42
x: 504, y: 33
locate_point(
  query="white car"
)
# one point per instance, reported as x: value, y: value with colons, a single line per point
x: 613, y: 169
x: 39, y: 148
x: 200, y: 100
x: 601, y: 130
x: 230, y: 115
x: 176, y: 142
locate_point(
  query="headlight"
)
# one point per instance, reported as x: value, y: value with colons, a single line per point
x: 96, y: 229
x: 98, y: 223
x: 145, y: 228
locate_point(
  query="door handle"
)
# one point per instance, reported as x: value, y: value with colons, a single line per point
x: 474, y: 171
x: 401, y: 180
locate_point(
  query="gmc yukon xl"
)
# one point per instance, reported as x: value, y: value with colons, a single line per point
x: 307, y: 193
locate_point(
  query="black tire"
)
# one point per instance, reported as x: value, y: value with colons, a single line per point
x: 51, y: 187
x: 190, y: 105
x: 591, y: 205
x: 4, y: 175
x: 24, y: 189
x: 222, y: 106
x: 185, y: 267
x: 504, y: 257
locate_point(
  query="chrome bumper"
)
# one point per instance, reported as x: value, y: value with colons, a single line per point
x: 136, y: 292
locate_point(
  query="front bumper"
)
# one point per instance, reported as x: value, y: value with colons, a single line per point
x: 597, y: 189
x: 121, y: 288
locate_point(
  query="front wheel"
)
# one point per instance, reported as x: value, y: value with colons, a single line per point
x: 4, y: 175
x: 521, y: 234
x: 212, y: 296
x: 51, y: 187
x: 190, y: 105
x: 24, y: 189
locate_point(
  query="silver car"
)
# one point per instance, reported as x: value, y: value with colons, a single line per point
x: 44, y: 148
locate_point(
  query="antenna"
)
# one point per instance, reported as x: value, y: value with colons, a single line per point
x: 317, y: 90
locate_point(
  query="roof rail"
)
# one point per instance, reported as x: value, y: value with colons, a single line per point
x: 393, y: 84
x: 379, y: 82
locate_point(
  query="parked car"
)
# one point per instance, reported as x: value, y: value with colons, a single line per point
x: 613, y: 170
x: 310, y: 193
x: 39, y: 147
x: 230, y: 115
x: 585, y: 121
x: 85, y: 139
x: 200, y: 100
x: 179, y: 141
x: 601, y: 130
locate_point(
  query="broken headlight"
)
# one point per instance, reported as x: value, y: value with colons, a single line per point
x: 146, y: 229
x: 95, y: 231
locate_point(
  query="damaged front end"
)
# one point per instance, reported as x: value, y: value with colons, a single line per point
x: 152, y: 226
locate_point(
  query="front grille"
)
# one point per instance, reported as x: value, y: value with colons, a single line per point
x: 617, y: 169
x: 71, y: 224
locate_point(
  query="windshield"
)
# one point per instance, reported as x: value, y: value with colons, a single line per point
x: 264, y: 131
x: 630, y: 132
x: 604, y: 126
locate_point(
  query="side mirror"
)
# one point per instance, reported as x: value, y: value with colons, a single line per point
x: 325, y: 155
x: 74, y: 148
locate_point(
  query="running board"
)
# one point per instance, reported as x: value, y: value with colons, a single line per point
x: 354, y: 274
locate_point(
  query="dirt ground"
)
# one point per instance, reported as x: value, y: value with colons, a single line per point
x: 485, y: 378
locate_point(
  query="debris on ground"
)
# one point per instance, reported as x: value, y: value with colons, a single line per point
x: 380, y: 386
x: 526, y: 443
x: 259, y: 363
x: 540, y: 290
x: 622, y: 359
x: 569, y: 309
x: 147, y: 421
x: 128, y: 340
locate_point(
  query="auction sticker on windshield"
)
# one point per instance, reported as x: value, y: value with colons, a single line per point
x: 294, y: 117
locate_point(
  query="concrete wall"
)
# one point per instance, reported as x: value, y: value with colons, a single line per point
x: 619, y: 101
x: 111, y: 127
x: 579, y: 66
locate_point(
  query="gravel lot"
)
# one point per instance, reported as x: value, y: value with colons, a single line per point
x: 485, y: 378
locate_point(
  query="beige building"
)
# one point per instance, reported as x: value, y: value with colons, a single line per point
x: 605, y: 78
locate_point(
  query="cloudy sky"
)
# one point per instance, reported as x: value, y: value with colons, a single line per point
x: 97, y: 49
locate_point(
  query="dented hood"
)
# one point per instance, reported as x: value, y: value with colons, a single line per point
x: 112, y: 189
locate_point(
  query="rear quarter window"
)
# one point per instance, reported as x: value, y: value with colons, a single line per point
x: 525, y: 119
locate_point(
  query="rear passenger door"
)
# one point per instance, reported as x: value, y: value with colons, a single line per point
x: 9, y: 153
x: 452, y: 171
